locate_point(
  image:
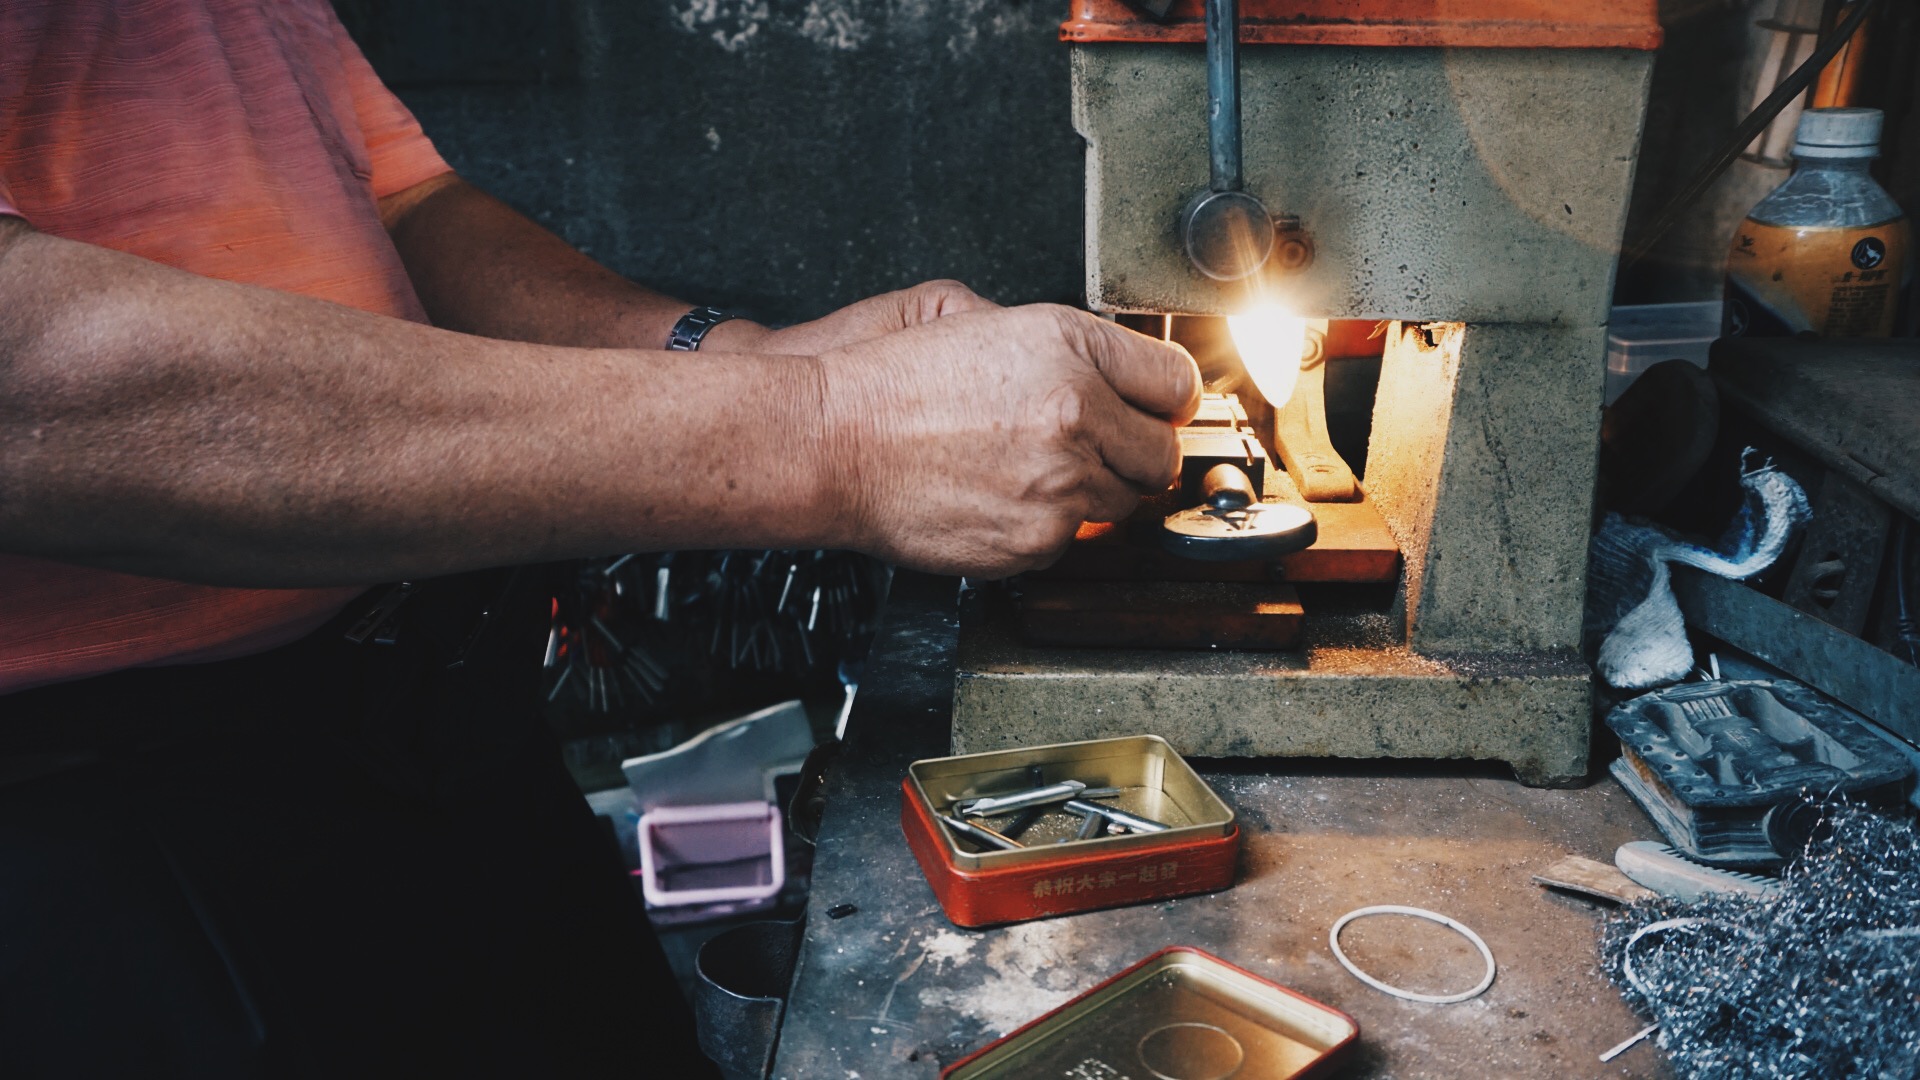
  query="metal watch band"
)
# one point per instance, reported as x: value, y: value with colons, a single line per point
x: 693, y: 326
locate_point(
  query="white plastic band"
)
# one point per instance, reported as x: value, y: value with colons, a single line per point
x: 1626, y: 951
x: 1333, y: 939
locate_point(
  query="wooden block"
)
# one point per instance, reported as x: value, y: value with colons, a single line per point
x: 1160, y: 615
x: 1354, y: 546
x: 1591, y: 877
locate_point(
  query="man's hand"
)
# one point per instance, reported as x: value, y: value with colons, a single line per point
x: 871, y: 318
x: 285, y: 442
x: 977, y: 444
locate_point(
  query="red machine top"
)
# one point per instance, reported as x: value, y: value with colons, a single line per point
x: 1495, y: 24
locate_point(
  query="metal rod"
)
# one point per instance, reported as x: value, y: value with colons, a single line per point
x: 1223, y: 95
x: 1090, y: 826
x: 1631, y: 1042
x: 1118, y: 817
x: 1020, y: 800
x: 981, y: 834
x: 1022, y: 822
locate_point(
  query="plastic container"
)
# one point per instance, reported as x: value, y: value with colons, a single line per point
x: 1826, y: 252
x: 725, y: 853
x: 1642, y: 335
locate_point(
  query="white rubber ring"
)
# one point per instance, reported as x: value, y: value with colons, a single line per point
x: 1333, y: 939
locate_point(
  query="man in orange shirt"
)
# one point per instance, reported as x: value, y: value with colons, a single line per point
x: 260, y: 349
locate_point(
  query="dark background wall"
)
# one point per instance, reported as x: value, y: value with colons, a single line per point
x: 788, y: 156
x: 780, y: 156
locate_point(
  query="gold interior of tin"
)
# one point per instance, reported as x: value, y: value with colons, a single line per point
x: 1183, y: 1016
x: 1154, y: 781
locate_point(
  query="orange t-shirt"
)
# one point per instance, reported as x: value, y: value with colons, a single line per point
x: 240, y: 139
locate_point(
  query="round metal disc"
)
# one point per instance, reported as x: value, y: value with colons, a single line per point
x: 1261, y: 531
x: 1228, y: 234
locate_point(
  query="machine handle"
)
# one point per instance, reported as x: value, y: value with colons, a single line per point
x: 1228, y: 232
x: 1226, y: 487
x: 1223, y: 94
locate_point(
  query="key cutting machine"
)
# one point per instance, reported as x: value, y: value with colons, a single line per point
x: 1456, y: 170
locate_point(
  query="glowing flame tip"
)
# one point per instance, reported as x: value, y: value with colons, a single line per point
x: 1271, y: 341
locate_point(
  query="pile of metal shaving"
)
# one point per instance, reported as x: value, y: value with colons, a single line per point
x: 1820, y: 981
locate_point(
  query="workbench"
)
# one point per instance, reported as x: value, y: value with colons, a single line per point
x: 893, y: 989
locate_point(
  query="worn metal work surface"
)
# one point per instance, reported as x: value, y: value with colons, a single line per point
x: 894, y: 990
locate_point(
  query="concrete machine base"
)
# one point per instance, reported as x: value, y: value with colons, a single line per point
x: 1473, y: 200
x: 1339, y: 696
x: 1481, y: 467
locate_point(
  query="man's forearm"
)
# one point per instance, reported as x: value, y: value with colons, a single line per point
x: 480, y: 267
x: 161, y: 423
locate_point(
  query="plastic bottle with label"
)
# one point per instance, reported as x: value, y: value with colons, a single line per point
x: 1827, y: 252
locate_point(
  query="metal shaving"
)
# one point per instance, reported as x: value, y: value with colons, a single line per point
x: 1820, y: 981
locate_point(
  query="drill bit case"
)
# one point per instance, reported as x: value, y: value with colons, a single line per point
x: 1053, y: 872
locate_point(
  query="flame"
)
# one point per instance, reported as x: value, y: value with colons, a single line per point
x: 1271, y: 340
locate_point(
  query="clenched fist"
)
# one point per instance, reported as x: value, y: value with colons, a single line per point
x: 978, y: 442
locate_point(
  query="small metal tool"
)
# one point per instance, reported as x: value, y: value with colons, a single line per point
x: 1090, y: 826
x: 1232, y: 525
x: 990, y: 805
x: 1118, y: 817
x: 1022, y: 822
x: 1024, y: 819
x: 981, y: 833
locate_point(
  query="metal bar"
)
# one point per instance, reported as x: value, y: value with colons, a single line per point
x: 1223, y: 95
x: 981, y: 833
x: 1090, y: 826
x: 1118, y: 817
x: 1020, y: 800
x: 1022, y: 822
x: 1832, y: 661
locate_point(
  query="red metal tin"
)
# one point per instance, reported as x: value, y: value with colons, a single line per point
x: 1181, y: 1012
x: 1047, y: 879
x: 1447, y: 24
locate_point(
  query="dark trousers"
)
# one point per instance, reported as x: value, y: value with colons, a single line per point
x: 329, y: 860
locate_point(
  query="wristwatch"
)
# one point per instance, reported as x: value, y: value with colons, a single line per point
x: 693, y: 326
